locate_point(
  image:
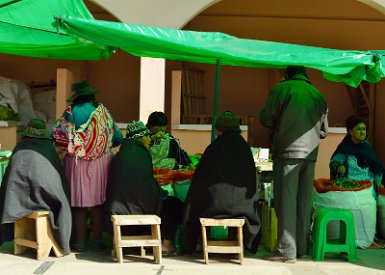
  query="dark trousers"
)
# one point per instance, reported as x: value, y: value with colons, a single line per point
x: 171, y: 215
x: 293, y: 184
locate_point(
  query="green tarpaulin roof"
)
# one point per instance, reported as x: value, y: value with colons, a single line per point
x: 350, y: 67
x: 27, y: 29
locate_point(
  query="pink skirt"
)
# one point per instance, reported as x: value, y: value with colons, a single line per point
x: 88, y: 180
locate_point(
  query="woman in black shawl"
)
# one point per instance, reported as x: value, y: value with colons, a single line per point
x: 224, y: 185
x: 354, y: 157
x: 133, y: 190
x: 35, y: 181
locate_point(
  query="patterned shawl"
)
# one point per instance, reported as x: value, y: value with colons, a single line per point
x: 92, y: 140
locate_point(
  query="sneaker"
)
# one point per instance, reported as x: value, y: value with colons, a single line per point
x: 280, y: 258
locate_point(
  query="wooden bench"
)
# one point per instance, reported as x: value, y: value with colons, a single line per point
x: 34, y: 231
x: 222, y: 246
x: 154, y: 240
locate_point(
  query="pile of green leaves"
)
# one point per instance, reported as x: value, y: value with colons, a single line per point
x: 6, y: 113
x: 346, y: 183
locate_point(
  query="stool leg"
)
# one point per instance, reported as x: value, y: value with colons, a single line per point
x: 24, y: 229
x: 44, y: 244
x: 117, y: 238
x: 240, y: 244
x: 157, y: 250
x: 142, y: 251
x: 350, y: 239
x: 204, y: 244
x: 55, y: 246
x: 319, y: 240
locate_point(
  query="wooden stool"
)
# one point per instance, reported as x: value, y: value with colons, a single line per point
x: 222, y: 246
x: 153, y: 240
x: 35, y: 231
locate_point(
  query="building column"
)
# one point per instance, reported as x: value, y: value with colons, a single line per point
x: 152, y: 86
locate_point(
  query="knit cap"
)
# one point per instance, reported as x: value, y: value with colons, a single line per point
x: 136, y: 129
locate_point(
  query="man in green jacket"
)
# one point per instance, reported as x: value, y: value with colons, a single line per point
x: 297, y: 113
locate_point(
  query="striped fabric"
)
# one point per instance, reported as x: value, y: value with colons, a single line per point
x: 92, y: 140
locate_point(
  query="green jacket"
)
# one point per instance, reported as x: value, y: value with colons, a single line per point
x: 297, y: 113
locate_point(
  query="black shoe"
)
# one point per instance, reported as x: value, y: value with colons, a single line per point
x: 280, y: 258
x: 79, y: 246
x: 98, y: 246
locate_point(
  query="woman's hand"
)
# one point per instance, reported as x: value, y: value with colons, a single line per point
x: 341, y: 170
x: 379, y: 184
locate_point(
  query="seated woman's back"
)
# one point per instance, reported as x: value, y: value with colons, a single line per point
x: 224, y: 183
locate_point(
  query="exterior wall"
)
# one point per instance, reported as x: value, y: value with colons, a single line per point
x: 326, y: 149
x: 118, y: 79
x: 379, y: 121
x: 344, y: 24
x: 29, y: 69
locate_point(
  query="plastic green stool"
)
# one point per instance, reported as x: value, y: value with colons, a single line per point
x: 345, y: 243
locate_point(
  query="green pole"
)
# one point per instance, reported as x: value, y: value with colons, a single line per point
x: 216, y: 92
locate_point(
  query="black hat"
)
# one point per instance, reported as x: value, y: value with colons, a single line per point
x: 81, y: 88
x: 294, y: 70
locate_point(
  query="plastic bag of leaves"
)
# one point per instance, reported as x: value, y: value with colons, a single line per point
x: 6, y: 113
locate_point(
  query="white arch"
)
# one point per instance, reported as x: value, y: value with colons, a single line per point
x: 173, y: 13
x: 378, y: 5
x: 165, y: 13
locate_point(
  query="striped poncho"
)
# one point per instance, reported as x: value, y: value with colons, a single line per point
x: 92, y: 140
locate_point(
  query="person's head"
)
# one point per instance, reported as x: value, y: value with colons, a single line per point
x: 291, y: 71
x: 82, y: 92
x: 36, y: 128
x: 356, y: 128
x: 137, y: 130
x: 157, y: 121
x: 227, y: 122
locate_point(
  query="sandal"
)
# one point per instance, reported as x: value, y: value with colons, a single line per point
x: 169, y: 253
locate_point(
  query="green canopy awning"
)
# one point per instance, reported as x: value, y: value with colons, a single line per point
x: 350, y: 67
x: 27, y: 29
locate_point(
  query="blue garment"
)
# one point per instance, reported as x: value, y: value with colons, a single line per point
x: 355, y: 172
x: 81, y: 113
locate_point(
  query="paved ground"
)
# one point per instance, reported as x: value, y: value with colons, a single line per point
x: 93, y: 263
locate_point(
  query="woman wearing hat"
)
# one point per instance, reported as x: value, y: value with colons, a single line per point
x: 132, y: 188
x: 87, y: 131
x: 224, y: 185
x: 355, y: 158
x: 35, y: 181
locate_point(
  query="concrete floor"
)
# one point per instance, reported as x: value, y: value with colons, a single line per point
x: 370, y: 261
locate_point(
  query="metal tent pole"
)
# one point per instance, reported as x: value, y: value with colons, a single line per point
x: 216, y: 92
